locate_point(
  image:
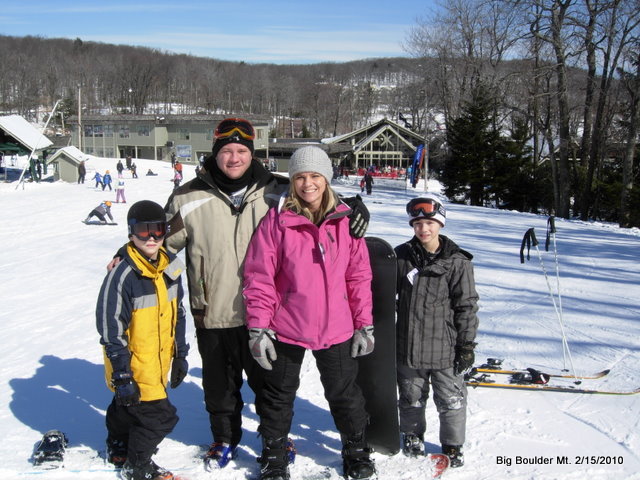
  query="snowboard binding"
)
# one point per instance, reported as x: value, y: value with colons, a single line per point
x: 493, y: 364
x: 531, y: 376
x: 50, y: 450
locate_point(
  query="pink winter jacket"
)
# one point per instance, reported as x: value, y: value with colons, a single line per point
x: 310, y: 284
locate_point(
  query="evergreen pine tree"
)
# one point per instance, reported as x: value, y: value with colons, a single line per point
x: 472, y: 142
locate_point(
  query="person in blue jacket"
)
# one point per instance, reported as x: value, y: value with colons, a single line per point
x: 106, y: 180
x: 98, y: 178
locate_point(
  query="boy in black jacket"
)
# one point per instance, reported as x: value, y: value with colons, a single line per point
x: 436, y: 329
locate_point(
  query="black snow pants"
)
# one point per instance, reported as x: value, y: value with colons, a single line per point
x: 141, y: 427
x: 225, y: 355
x: 338, y: 371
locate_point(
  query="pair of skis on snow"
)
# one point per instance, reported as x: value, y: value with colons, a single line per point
x: 531, y: 379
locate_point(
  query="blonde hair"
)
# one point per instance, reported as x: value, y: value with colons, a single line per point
x: 297, y: 205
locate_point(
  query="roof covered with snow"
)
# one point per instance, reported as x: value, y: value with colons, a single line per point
x: 25, y: 133
x: 69, y: 152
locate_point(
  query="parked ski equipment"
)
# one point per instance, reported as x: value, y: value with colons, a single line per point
x: 528, y: 240
x: 532, y: 379
x: 494, y: 365
x: 484, y: 381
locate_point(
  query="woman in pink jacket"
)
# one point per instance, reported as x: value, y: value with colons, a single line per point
x: 307, y: 285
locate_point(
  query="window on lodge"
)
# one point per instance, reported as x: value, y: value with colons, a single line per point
x: 98, y: 130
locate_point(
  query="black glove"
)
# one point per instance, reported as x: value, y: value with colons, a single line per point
x: 179, y: 369
x: 359, y: 216
x: 127, y: 391
x: 464, y: 358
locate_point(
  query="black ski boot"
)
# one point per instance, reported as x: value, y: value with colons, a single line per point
x: 144, y: 470
x: 116, y: 452
x: 412, y: 445
x: 356, y: 462
x: 274, y: 461
x: 456, y: 458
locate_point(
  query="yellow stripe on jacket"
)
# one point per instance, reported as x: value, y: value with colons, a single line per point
x: 151, y: 330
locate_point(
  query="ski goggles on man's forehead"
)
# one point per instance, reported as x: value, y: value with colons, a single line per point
x: 229, y: 126
x: 144, y: 231
x: 424, y: 207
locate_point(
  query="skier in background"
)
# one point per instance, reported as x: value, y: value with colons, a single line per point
x: 98, y: 178
x: 141, y: 322
x: 436, y: 330
x: 100, y: 211
x: 120, y: 191
x: 177, y: 178
x: 82, y: 172
x: 106, y: 180
x: 368, y: 181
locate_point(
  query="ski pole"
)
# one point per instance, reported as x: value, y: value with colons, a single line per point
x: 551, y: 233
x: 528, y: 240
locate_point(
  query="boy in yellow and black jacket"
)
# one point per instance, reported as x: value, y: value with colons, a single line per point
x: 141, y: 322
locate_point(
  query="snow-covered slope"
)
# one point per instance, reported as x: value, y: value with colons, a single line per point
x: 51, y: 366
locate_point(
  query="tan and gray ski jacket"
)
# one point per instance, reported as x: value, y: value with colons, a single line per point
x: 216, y: 236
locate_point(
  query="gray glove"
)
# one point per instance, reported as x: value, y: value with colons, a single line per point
x: 362, y: 341
x: 261, y: 346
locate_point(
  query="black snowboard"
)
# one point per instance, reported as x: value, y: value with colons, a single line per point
x: 377, y: 371
x: 49, y: 452
x: 97, y: 222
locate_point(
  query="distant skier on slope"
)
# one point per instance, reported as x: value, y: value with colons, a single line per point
x: 100, y: 211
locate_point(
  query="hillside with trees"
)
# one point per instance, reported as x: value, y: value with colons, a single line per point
x: 525, y: 104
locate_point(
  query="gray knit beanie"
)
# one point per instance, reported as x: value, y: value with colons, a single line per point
x: 311, y: 159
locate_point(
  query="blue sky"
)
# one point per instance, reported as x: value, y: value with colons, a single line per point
x: 273, y: 31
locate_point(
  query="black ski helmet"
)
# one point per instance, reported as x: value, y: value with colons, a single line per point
x: 145, y: 211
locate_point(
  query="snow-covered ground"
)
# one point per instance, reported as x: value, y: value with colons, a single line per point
x: 51, y: 372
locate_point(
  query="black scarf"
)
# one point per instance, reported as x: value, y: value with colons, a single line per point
x: 230, y: 185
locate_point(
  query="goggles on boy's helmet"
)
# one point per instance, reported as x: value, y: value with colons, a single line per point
x: 426, y: 207
x: 145, y: 230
